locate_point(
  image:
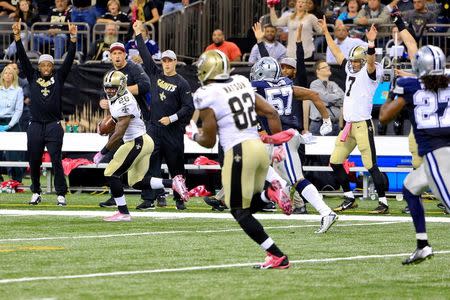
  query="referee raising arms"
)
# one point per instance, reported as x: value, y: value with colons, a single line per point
x: 45, y: 130
x: 171, y: 108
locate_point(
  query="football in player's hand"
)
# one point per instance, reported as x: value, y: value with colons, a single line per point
x: 106, y: 126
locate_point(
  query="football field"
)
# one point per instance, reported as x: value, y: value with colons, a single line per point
x: 49, y: 252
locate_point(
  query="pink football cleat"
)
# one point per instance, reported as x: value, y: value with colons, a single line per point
x: 277, y: 195
x: 179, y: 186
x: 274, y: 262
x: 118, y: 217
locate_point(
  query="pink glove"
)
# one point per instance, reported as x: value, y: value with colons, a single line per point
x: 191, y: 130
x: 98, y: 158
x: 278, y: 154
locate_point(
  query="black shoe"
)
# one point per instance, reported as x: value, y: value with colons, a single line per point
x: 161, y: 201
x: 180, y: 204
x: 442, y: 206
x: 419, y: 256
x: 269, y: 207
x: 300, y: 210
x: 108, y: 203
x: 381, y: 209
x: 214, y: 203
x: 406, y: 210
x: 347, y: 204
x: 145, y: 205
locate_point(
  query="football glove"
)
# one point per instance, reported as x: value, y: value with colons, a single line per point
x: 192, y: 130
x: 278, y: 154
x: 98, y: 158
x: 307, y: 138
x: 326, y: 127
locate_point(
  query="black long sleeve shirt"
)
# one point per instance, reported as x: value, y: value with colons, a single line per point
x: 46, y: 91
x: 169, y: 94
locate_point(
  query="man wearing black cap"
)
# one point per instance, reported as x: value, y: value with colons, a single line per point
x: 46, y: 86
x: 171, y: 109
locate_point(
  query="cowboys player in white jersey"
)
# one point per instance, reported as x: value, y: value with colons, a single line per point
x: 280, y: 93
x: 363, y: 76
x: 228, y: 106
x: 133, y: 155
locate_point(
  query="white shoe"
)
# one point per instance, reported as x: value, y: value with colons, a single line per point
x: 419, y: 256
x: 118, y: 217
x: 326, y: 222
x: 35, y: 199
x: 61, y: 201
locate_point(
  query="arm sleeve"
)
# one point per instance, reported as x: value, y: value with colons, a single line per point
x: 68, y: 61
x: 18, y: 109
x: 301, y: 68
x: 147, y: 59
x: 254, y: 54
x: 24, y: 61
x: 187, y: 105
x: 262, y: 49
x: 282, y: 21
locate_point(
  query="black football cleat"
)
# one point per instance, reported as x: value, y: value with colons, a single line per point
x: 348, y: 203
x: 381, y: 209
x: 214, y: 203
x: 419, y: 256
x: 146, y: 205
x: 180, y: 204
x: 108, y: 203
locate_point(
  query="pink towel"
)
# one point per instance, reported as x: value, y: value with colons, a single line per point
x: 346, y: 131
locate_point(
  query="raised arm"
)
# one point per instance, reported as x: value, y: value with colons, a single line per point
x: 300, y: 74
x: 21, y: 54
x: 337, y: 53
x: 371, y: 36
x: 408, y: 39
x: 147, y: 59
x: 275, y: 20
x: 68, y: 61
x: 259, y: 35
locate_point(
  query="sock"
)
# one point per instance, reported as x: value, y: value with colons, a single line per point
x: 416, y: 210
x: 156, y: 183
x: 422, y: 240
x: 378, y: 181
x: 349, y: 195
x: 123, y: 209
x: 269, y: 246
x: 383, y: 200
x: 311, y: 194
x: 120, y: 200
x: 264, y: 197
x: 273, y: 175
x: 341, y: 176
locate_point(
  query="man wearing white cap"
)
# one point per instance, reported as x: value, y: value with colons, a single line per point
x: 46, y: 86
x: 171, y: 109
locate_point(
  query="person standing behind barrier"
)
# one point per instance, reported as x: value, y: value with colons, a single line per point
x: 230, y: 49
x: 171, y: 108
x: 11, y: 106
x: 138, y: 84
x: 45, y: 130
x: 61, y: 13
x: 274, y: 48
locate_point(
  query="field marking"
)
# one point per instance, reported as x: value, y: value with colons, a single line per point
x: 210, y: 267
x: 200, y: 215
x: 177, y: 232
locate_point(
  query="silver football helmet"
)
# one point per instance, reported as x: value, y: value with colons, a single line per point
x: 429, y: 60
x: 267, y: 68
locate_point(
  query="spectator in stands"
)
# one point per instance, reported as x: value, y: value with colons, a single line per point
x: 152, y: 46
x: 230, y: 49
x: 174, y: 5
x: 84, y: 11
x: 419, y: 17
x: 43, y: 6
x: 156, y: 12
x: 397, y: 49
x: 314, y: 9
x: 46, y: 85
x: 286, y: 11
x: 23, y: 83
x: 292, y: 21
x: 330, y: 93
x: 114, y: 14
x: 61, y: 13
x: 344, y: 42
x: 101, y: 7
x: 28, y: 15
x: 7, y: 8
x: 171, y: 109
x: 11, y: 106
x: 138, y: 84
x: 275, y: 48
x: 373, y: 13
x: 348, y: 16
x: 99, y: 50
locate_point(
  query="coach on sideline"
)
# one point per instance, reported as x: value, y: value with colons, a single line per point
x: 138, y: 84
x: 45, y: 130
x: 171, y: 108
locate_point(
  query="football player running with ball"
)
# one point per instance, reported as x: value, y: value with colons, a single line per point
x: 363, y: 76
x: 228, y: 106
x: 133, y: 156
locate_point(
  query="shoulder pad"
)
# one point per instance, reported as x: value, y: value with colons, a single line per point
x: 406, y: 85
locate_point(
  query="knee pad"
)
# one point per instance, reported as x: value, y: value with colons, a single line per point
x: 240, y: 214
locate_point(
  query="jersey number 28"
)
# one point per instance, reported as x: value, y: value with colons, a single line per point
x: 243, y: 110
x: 427, y: 104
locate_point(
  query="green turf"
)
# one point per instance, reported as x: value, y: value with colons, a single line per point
x: 376, y: 278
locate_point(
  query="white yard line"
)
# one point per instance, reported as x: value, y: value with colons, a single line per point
x: 200, y: 215
x: 200, y: 268
x: 175, y: 232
